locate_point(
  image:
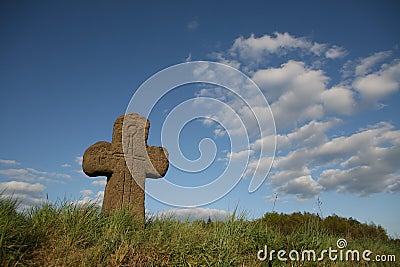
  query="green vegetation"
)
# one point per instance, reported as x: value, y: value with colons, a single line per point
x: 68, y: 235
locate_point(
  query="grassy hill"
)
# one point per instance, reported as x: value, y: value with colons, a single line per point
x: 68, y: 235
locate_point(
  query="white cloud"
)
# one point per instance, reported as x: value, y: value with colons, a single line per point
x: 299, y: 93
x: 276, y: 81
x: 86, y: 192
x: 335, y: 52
x: 254, y: 48
x: 102, y: 182
x: 8, y: 162
x: 395, y: 187
x: 234, y: 116
x: 100, y: 196
x: 368, y: 63
x: 302, y: 94
x: 380, y: 84
x: 49, y: 174
x: 49, y: 180
x: 282, y: 87
x: 79, y: 159
x: 300, y: 99
x: 368, y: 163
x: 30, y: 174
x: 220, y: 57
x: 188, y: 58
x: 28, y: 194
x: 376, y: 146
x: 22, y: 187
x: 370, y: 169
x: 60, y: 175
x: 339, y: 100
x: 310, y: 134
x: 88, y: 197
x: 65, y: 165
x: 318, y: 49
x: 268, y: 142
x: 337, y: 149
x: 21, y: 174
x: 219, y: 131
x: 304, y: 187
x: 193, y: 214
x: 240, y: 154
x: 193, y: 24
x: 361, y: 180
x: 258, y: 167
x: 208, y: 121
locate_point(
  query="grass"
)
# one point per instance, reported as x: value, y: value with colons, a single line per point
x: 64, y: 234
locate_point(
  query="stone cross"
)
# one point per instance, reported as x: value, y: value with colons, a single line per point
x: 126, y: 162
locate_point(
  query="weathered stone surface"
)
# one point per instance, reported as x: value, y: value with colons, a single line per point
x: 126, y: 162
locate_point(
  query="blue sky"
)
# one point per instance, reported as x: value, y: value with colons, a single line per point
x: 330, y: 72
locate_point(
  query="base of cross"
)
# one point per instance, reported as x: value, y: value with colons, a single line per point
x: 126, y: 162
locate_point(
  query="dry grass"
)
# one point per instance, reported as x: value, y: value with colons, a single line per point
x: 68, y: 235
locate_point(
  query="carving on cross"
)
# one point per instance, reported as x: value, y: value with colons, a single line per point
x: 126, y: 162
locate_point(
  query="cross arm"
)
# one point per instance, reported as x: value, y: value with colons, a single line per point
x: 97, y: 160
x: 159, y: 159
